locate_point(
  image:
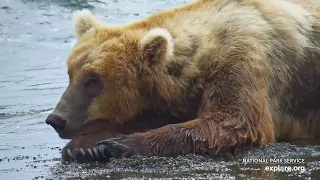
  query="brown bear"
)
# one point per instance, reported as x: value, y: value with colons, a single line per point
x: 210, y: 76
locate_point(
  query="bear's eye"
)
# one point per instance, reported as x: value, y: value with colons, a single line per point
x: 91, y: 81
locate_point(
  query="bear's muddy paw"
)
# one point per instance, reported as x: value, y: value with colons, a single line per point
x: 123, y: 147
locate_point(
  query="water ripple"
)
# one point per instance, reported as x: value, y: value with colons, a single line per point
x: 20, y: 114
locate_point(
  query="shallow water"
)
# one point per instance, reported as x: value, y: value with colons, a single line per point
x: 35, y: 39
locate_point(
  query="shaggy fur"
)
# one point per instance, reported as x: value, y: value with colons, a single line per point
x: 225, y: 73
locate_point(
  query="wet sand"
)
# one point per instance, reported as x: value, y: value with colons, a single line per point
x: 36, y: 37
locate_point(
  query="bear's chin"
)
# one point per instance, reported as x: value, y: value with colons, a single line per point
x: 65, y: 136
x: 67, y: 133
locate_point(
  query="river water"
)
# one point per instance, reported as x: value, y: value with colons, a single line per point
x: 35, y: 39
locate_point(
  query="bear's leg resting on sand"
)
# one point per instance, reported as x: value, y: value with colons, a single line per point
x: 234, y: 113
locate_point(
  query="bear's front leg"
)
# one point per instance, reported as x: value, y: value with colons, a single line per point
x: 234, y: 113
x: 170, y: 140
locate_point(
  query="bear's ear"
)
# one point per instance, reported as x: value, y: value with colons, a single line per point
x: 83, y: 21
x: 157, y: 45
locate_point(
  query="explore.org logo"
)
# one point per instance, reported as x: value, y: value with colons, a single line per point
x: 278, y: 165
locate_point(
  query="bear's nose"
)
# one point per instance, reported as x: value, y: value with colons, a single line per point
x: 56, y: 122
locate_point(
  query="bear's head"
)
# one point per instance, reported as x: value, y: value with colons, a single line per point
x: 114, y: 73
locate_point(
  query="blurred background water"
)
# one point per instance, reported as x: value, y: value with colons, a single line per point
x: 35, y: 39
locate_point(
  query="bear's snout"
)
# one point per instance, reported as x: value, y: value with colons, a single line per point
x: 56, y: 122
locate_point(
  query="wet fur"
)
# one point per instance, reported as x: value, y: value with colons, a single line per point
x: 229, y: 85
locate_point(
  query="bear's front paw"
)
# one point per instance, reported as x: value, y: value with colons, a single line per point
x: 83, y: 149
x: 85, y: 154
x: 124, y: 147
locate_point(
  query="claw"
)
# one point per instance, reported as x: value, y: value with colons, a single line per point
x: 101, y: 149
x: 96, y: 152
x: 82, y: 152
x: 69, y: 153
x: 107, y: 145
x: 115, y: 149
x: 90, y: 152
